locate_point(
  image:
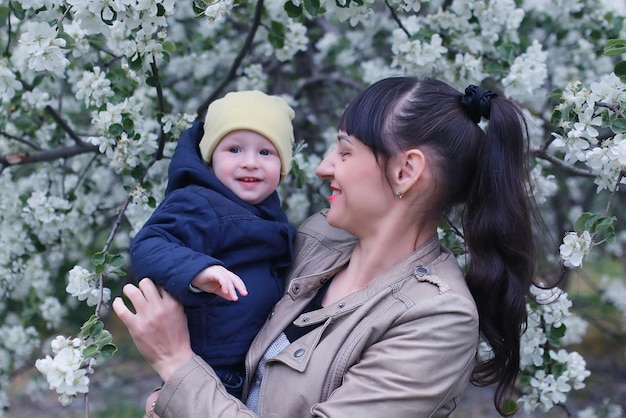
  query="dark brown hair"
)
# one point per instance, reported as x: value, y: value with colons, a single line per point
x: 486, y: 173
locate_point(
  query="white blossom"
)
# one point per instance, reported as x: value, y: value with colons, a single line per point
x: 9, y: 84
x: 40, y: 44
x: 528, y: 73
x: 575, y: 248
x: 66, y: 372
x: 93, y: 88
x: 295, y: 40
x: 216, y: 10
x: 83, y: 285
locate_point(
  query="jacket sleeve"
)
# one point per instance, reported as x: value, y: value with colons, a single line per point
x: 175, y: 244
x: 195, y: 391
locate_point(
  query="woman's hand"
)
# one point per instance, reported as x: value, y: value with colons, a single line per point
x: 158, y: 326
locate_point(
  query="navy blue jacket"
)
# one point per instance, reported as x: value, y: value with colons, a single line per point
x: 201, y: 223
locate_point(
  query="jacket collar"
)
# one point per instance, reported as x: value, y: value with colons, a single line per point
x: 415, y: 264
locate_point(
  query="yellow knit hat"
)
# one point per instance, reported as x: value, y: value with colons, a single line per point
x: 253, y: 110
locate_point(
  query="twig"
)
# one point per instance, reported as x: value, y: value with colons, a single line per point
x: 59, y: 120
x: 20, y: 140
x: 256, y: 21
x: 395, y: 17
x: 328, y: 79
x: 542, y: 155
x: 107, y: 245
x: 614, y: 192
x: 161, y: 101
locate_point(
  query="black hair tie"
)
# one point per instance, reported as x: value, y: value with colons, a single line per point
x: 476, y: 102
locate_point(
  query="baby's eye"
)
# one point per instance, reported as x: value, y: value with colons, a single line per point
x: 234, y: 150
x: 265, y: 152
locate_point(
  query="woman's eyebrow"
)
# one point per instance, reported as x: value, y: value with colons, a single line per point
x: 344, y: 138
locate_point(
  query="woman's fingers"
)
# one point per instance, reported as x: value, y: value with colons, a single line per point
x: 149, y: 290
x: 158, y: 326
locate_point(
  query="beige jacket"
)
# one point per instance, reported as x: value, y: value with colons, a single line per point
x: 404, y: 346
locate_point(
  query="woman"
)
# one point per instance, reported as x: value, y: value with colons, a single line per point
x: 378, y: 318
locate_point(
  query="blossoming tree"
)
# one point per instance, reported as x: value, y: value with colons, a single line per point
x: 94, y: 94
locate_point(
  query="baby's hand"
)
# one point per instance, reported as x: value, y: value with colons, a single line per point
x: 220, y: 281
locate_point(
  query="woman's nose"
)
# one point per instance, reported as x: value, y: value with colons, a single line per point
x: 324, y: 168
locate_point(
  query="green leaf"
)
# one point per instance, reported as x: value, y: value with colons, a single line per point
x: 135, y: 63
x: 117, y: 261
x: 277, y: 34
x: 152, y: 81
x: 312, y: 7
x: 98, y: 258
x: 91, y: 328
x: 558, y: 369
x: 16, y: 9
x: 615, y: 47
x: 108, y: 350
x: 116, y: 129
x: 169, y: 46
x: 69, y: 41
x: 160, y: 10
x: 620, y: 69
x: 97, y: 40
x: 85, y: 329
x: 129, y: 126
x: 98, y: 269
x: 555, y: 334
x: 299, y: 174
x: 555, y: 94
x: 198, y: 10
x: 90, y: 351
x: 292, y: 10
x: 618, y: 125
x: 137, y: 172
x: 104, y: 338
x: 119, y: 272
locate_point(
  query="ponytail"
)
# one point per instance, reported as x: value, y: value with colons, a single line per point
x: 498, y: 234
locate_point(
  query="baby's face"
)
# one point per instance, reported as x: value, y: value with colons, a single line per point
x: 248, y: 164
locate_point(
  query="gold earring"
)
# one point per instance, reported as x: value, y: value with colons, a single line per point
x: 399, y: 194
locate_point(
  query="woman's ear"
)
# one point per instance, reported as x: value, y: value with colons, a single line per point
x: 409, y: 169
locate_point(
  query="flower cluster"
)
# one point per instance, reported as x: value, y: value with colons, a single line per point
x: 549, y: 373
x: 588, y: 110
x: 83, y: 284
x: 67, y: 371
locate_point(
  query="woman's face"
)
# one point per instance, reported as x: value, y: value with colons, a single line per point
x: 360, y: 193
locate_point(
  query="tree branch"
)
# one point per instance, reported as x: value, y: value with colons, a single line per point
x: 256, y: 21
x: 59, y: 120
x: 396, y: 19
x: 23, y: 158
x: 161, y: 102
x: 328, y: 79
x: 542, y: 155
